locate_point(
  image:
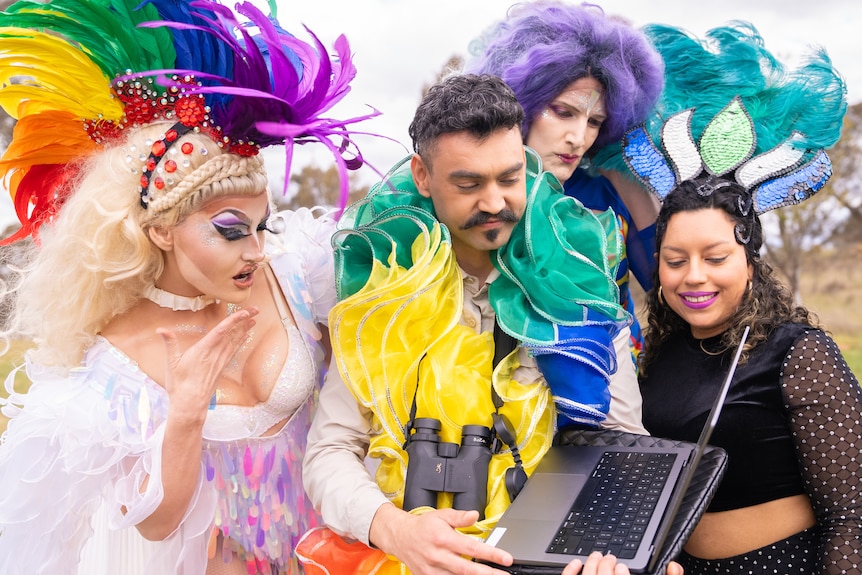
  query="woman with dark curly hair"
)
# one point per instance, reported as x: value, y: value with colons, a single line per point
x: 791, y: 422
x: 790, y: 501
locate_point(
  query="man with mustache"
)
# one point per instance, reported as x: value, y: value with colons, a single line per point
x: 472, y: 291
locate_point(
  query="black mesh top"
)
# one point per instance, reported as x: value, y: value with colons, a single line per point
x: 791, y: 424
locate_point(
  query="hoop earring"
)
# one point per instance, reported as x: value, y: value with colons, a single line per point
x: 748, y: 293
x: 661, y: 299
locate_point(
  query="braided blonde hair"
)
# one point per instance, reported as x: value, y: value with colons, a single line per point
x: 212, y: 179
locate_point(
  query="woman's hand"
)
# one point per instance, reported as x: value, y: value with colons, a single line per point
x: 598, y: 564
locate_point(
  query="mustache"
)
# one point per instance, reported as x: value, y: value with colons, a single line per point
x: 479, y: 218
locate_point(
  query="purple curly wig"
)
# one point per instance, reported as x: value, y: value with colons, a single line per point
x: 542, y: 47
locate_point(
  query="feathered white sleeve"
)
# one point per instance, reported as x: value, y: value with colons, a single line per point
x: 302, y: 260
x: 79, y: 442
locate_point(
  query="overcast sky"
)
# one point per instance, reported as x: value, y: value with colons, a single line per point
x: 400, y: 46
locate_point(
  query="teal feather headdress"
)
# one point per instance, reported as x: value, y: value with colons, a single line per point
x: 778, y: 177
x: 730, y: 109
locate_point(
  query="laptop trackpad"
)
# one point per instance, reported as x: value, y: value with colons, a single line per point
x: 546, y: 496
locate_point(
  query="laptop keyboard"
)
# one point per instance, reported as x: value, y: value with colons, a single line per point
x: 613, y: 510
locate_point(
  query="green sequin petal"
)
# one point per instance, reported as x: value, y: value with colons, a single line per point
x: 728, y: 140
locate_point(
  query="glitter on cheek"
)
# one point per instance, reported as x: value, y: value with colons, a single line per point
x: 207, y: 234
x: 546, y: 113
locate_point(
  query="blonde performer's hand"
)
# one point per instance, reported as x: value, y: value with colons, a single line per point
x: 191, y: 376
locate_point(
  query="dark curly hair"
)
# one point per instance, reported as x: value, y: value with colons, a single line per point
x: 765, y: 305
x: 477, y: 104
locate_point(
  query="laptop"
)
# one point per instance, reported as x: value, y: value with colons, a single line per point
x: 612, y: 499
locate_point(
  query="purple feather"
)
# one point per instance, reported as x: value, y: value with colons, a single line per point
x: 269, y: 100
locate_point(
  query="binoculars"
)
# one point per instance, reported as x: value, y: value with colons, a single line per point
x: 435, y: 467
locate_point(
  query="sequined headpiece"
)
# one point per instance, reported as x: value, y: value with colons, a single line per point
x: 779, y: 177
x: 730, y: 111
x: 77, y: 73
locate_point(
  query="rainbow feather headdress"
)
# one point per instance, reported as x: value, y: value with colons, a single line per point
x: 76, y: 73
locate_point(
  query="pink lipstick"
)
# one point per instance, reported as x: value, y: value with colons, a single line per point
x: 698, y: 300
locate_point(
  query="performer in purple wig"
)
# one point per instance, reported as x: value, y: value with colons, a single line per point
x: 583, y: 79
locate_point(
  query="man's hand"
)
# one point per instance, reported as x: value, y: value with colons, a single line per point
x: 428, y: 543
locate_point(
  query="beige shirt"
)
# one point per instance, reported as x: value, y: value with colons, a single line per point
x: 335, y: 474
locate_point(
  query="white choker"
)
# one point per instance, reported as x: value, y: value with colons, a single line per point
x: 176, y: 302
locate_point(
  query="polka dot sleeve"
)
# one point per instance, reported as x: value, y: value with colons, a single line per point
x: 825, y: 408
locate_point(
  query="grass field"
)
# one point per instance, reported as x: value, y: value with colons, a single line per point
x: 831, y: 286
x: 10, y: 360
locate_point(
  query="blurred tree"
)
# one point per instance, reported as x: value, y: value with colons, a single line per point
x: 319, y: 187
x: 12, y: 258
x: 800, y: 228
x: 847, y: 177
x: 454, y: 65
x: 7, y: 123
x: 833, y: 217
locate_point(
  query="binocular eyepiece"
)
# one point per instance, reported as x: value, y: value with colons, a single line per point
x: 435, y: 467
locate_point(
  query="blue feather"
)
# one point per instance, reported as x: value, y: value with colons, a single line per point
x: 197, y: 47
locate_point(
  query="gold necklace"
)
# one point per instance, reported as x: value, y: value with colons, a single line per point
x: 703, y: 349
